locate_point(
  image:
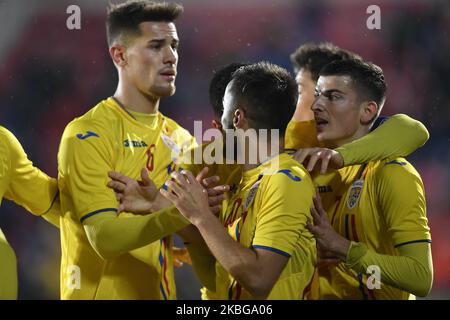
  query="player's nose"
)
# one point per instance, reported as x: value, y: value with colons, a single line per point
x: 170, y: 56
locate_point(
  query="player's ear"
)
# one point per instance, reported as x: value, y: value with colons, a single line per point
x: 239, y: 119
x: 216, y: 124
x: 369, y: 111
x: 117, y: 53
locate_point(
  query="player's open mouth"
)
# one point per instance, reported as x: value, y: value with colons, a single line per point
x: 168, y: 74
x: 320, y: 123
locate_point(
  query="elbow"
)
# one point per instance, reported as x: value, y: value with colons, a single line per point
x: 254, y: 282
x: 260, y: 290
x: 99, y: 243
x: 104, y: 253
x: 422, y: 133
x: 419, y: 129
x: 424, y: 286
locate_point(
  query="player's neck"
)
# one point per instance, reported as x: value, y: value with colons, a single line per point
x: 134, y: 100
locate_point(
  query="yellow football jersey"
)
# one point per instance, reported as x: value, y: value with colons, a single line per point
x: 106, y: 138
x: 27, y: 186
x: 381, y: 204
x: 269, y: 210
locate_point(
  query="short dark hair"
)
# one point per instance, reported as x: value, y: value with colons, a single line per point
x: 313, y: 57
x: 126, y: 17
x: 267, y: 92
x: 218, y: 85
x: 368, y: 78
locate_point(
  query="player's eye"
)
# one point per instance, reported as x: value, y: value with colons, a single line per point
x: 334, y: 97
x: 316, y: 93
x: 155, y: 46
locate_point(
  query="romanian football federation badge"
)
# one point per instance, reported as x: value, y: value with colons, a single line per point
x: 355, y: 193
x: 251, y: 195
x: 170, y: 144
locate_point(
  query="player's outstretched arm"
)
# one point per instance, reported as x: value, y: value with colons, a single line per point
x: 135, y: 232
x: 411, y: 271
x: 398, y: 136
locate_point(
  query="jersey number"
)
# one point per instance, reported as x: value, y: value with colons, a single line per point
x: 151, y: 156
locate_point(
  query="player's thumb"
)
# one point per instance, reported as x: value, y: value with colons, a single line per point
x: 144, y: 176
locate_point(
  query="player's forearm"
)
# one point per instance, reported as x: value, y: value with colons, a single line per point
x: 398, y: 136
x: 412, y: 271
x: 303, y: 113
x: 135, y: 232
x: 240, y: 262
x: 202, y: 259
x: 204, y: 264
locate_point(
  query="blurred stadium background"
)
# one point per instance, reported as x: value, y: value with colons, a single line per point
x: 49, y: 75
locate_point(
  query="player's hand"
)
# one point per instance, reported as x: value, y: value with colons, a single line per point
x: 136, y: 196
x: 180, y: 257
x: 330, y: 244
x: 188, y: 195
x: 326, y: 258
x: 216, y: 193
x: 315, y: 158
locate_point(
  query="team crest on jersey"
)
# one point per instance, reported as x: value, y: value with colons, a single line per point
x: 170, y: 143
x: 355, y: 193
x: 251, y: 195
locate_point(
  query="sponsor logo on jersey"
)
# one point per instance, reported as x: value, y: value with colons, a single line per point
x: 134, y: 143
x: 290, y: 175
x: 87, y: 135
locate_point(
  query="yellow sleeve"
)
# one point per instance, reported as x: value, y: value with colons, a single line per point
x: 411, y: 271
x: 398, y: 136
x: 53, y: 215
x: 28, y: 186
x: 146, y: 254
x: 103, y: 231
x: 84, y: 159
x: 301, y: 134
x: 401, y: 200
x: 8, y: 270
x: 285, y: 209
